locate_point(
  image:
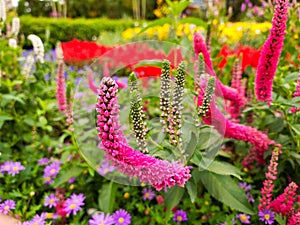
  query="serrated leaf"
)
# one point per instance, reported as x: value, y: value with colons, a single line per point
x: 224, y: 189
x: 224, y: 168
x: 73, y: 172
x: 107, y: 195
x: 158, y: 22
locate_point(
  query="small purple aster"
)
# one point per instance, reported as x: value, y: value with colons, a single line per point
x: 148, y: 194
x: 74, y: 203
x: 6, y: 206
x: 50, y: 201
x: 101, y: 219
x: 266, y: 216
x: 245, y: 186
x: 71, y: 180
x: 105, y: 168
x: 38, y: 220
x: 43, y: 161
x: 244, y: 218
x: 180, y: 216
x: 122, y: 217
x: 51, y: 171
x: 12, y: 168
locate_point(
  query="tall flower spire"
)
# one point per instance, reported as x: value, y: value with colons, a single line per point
x: 268, y: 186
x: 227, y: 92
x: 60, y: 79
x: 270, y: 53
x: 158, y: 173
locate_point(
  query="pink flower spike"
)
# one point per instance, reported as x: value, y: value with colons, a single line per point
x: 60, y: 88
x: 92, y: 86
x: 268, y: 186
x: 158, y: 173
x: 270, y: 53
x: 227, y: 92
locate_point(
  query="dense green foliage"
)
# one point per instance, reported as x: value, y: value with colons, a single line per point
x: 50, y: 29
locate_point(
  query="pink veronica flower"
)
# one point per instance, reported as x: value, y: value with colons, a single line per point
x: 227, y: 92
x: 284, y: 203
x: 270, y: 53
x: 148, y: 169
x: 60, y: 88
x: 268, y: 186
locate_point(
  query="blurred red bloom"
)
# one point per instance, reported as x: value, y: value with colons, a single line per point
x: 250, y: 56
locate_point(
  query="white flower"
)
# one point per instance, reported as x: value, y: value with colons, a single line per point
x: 2, y: 10
x: 28, y: 65
x: 12, y: 43
x: 15, y: 26
x: 59, y: 52
x: 38, y: 47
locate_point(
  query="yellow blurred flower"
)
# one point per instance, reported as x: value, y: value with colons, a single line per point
x: 230, y: 32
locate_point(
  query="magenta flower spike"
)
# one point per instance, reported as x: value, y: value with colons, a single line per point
x: 148, y: 169
x: 268, y: 186
x: 258, y: 139
x: 92, y: 86
x: 60, y: 88
x: 270, y: 53
x: 227, y: 92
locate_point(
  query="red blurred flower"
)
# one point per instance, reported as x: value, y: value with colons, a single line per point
x: 250, y: 56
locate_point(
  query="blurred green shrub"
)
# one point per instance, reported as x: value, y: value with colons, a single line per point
x: 51, y: 30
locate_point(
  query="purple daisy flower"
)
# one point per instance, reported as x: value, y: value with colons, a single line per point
x: 122, y: 217
x: 43, y: 161
x: 244, y: 218
x: 74, y: 203
x: 50, y: 201
x: 51, y: 171
x: 101, y: 219
x: 12, y: 168
x: 38, y: 220
x: 148, y: 194
x: 180, y: 216
x: 266, y: 216
x: 105, y: 168
x: 6, y: 206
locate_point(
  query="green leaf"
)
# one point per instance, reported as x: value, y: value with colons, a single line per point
x: 12, y: 97
x: 107, y: 197
x: 158, y: 22
x: 73, y: 172
x: 224, y: 168
x: 277, y: 125
x: 4, y: 118
x: 291, y: 77
x: 193, y: 20
x: 157, y: 63
x: 190, y: 148
x: 224, y: 189
x: 173, y: 197
x: 191, y: 187
x: 296, y: 128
